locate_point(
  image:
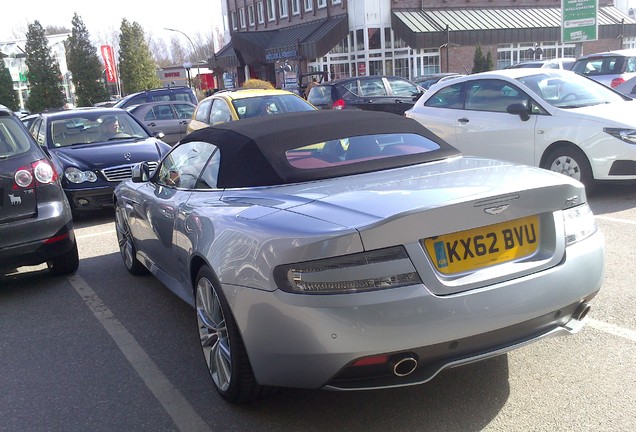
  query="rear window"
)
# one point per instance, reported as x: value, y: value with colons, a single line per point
x: 612, y: 65
x: 320, y: 95
x: 13, y: 138
x: 357, y: 149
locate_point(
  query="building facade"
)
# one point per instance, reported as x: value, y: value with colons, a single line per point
x: 278, y: 40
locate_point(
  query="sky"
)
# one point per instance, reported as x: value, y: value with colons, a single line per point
x: 104, y: 18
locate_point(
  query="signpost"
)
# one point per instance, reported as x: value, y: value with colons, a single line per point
x: 579, y: 20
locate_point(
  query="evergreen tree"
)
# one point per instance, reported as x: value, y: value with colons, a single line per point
x: 478, y: 60
x: 136, y: 66
x: 84, y: 64
x: 44, y: 76
x: 488, y: 66
x: 7, y: 94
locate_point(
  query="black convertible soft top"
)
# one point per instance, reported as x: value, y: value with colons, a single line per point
x: 253, y: 150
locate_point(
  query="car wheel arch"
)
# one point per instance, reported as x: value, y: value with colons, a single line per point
x: 567, y: 146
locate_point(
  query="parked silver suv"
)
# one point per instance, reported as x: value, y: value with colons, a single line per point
x: 611, y: 68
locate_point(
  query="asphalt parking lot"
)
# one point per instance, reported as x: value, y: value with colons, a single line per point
x: 103, y: 350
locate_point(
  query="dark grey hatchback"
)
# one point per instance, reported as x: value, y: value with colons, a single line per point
x: 372, y: 93
x: 35, y: 218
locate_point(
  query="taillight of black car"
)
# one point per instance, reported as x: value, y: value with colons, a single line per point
x: 38, y: 173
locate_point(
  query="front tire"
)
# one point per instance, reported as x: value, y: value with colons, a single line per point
x: 126, y: 244
x: 222, y: 345
x: 572, y: 162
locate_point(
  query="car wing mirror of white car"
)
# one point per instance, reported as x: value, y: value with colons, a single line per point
x: 519, y: 109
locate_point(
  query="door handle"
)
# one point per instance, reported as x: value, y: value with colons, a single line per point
x: 463, y: 120
x: 152, y: 124
x: 398, y: 101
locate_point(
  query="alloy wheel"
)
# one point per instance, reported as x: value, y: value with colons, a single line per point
x: 213, y: 334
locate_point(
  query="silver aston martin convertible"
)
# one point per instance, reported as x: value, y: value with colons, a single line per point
x: 350, y: 250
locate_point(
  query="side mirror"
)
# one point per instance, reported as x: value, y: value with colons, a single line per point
x: 519, y: 109
x: 140, y: 172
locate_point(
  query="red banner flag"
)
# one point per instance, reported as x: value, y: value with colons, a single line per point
x: 109, y: 62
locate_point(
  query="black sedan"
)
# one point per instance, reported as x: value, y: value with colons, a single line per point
x: 35, y: 219
x: 94, y: 149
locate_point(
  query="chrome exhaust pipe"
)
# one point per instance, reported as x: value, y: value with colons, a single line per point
x: 581, y: 311
x: 404, y: 365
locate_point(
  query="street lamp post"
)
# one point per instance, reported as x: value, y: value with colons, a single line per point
x: 193, y: 52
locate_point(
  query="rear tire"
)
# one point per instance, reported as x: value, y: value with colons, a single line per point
x: 222, y: 345
x: 66, y: 263
x: 572, y: 162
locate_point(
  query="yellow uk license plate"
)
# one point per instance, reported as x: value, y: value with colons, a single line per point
x: 477, y: 248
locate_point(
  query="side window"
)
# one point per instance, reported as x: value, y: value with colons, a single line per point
x: 451, y: 97
x: 631, y: 64
x: 161, y: 97
x: 139, y: 99
x: 372, y: 87
x: 182, y: 97
x: 210, y: 172
x: 183, y: 166
x: 493, y: 96
x: 150, y: 115
x: 163, y: 112
x: 203, y: 111
x: 35, y: 127
x: 220, y: 112
x: 184, y: 111
x: 402, y: 88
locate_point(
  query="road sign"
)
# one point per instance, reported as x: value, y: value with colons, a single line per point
x: 579, y: 20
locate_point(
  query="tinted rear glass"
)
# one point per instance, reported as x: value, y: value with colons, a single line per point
x: 13, y: 138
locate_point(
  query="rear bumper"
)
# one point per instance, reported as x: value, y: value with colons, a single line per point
x: 310, y: 341
x: 38, y: 239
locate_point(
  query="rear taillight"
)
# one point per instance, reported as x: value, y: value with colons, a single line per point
x: 339, y: 104
x: 617, y: 81
x: 37, y: 174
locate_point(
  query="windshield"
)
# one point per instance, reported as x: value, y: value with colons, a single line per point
x: 571, y: 91
x: 87, y: 128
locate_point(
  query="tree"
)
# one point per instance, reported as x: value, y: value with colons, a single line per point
x: 489, y: 62
x: 136, y: 66
x: 7, y: 94
x: 478, y: 60
x: 44, y: 76
x: 84, y: 64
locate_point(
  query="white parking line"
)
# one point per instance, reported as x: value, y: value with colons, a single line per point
x: 83, y: 236
x: 177, y: 407
x: 612, y: 329
x: 613, y: 219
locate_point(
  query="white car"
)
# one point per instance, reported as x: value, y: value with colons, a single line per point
x: 549, y: 118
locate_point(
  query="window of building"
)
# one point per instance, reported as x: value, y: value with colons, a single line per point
x: 309, y: 5
x: 242, y: 17
x: 259, y: 12
x: 234, y: 22
x: 375, y: 38
x: 282, y: 8
x: 335, y: 2
x: 360, y: 40
x: 322, y: 4
x: 295, y: 7
x: 250, y: 15
x: 271, y: 10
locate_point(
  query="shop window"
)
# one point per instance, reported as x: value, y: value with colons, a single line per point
x: 375, y: 38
